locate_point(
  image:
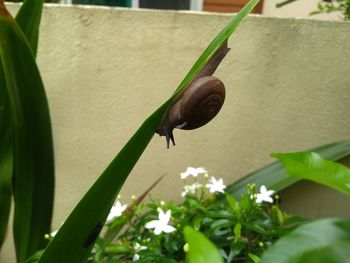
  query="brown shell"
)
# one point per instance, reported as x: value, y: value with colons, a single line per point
x: 201, y: 102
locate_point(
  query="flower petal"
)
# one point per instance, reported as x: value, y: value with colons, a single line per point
x: 152, y: 224
x: 168, y: 229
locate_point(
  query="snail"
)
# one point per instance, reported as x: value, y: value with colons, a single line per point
x: 200, y: 101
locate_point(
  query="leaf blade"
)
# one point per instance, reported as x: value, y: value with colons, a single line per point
x: 275, y: 177
x: 306, y: 238
x: 28, y: 19
x: 6, y: 159
x: 201, y: 250
x: 311, y: 166
x: 33, y: 180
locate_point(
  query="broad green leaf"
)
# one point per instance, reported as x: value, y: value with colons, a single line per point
x: 311, y: 166
x: 6, y: 158
x: 33, y: 149
x: 76, y: 237
x: 310, y: 237
x: 200, y: 249
x: 274, y: 175
x: 28, y: 19
x: 332, y: 253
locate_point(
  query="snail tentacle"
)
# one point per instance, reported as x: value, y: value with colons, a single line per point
x: 169, y: 136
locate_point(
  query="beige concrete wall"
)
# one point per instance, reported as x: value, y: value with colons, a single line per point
x: 106, y: 70
x: 300, y: 8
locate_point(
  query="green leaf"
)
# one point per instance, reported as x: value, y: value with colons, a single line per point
x: 237, y: 231
x: 91, y: 212
x: 234, y: 205
x: 274, y: 176
x: 333, y: 253
x: 33, y: 180
x: 311, y: 166
x: 6, y: 158
x: 305, y: 239
x: 28, y: 19
x: 201, y: 250
x: 254, y: 258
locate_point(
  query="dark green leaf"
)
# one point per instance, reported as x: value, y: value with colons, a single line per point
x: 6, y: 158
x: 33, y: 149
x: 311, y: 166
x: 28, y: 19
x: 275, y: 177
x: 306, y: 238
x: 201, y: 250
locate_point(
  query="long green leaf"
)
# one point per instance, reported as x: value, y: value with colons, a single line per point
x: 6, y: 158
x: 200, y: 249
x: 33, y: 149
x: 28, y: 19
x: 274, y: 175
x: 311, y: 166
x: 76, y: 237
x: 318, y: 235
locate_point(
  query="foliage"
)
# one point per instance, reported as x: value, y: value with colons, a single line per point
x: 240, y: 229
x: 327, y: 6
x: 324, y: 240
x: 26, y: 120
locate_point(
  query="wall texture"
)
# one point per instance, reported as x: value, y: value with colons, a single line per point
x: 106, y: 70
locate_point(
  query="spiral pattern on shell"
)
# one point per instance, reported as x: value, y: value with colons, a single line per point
x: 201, y: 102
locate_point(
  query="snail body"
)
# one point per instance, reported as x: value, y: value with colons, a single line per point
x: 199, y: 103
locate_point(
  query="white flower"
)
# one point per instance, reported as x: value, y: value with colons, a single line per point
x: 161, y: 225
x: 137, y: 248
x: 190, y: 189
x: 136, y: 257
x: 215, y: 185
x: 116, y: 210
x: 193, y: 171
x: 264, y: 195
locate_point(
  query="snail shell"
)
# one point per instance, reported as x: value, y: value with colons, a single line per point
x: 198, y: 105
x: 200, y: 101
